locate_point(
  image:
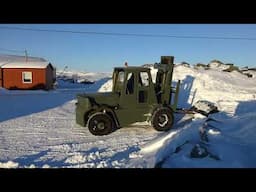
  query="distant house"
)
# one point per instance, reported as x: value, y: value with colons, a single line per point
x: 37, y: 74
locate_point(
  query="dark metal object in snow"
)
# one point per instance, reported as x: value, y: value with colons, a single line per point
x: 134, y: 98
x: 199, y: 151
x: 204, y: 107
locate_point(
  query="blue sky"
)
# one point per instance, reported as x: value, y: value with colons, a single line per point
x: 100, y: 53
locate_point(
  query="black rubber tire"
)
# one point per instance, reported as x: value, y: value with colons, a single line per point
x: 162, y: 119
x: 100, y: 124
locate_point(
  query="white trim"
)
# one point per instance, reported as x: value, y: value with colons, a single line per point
x: 29, y: 64
x: 29, y: 73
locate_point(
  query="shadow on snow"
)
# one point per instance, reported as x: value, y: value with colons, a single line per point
x: 185, y: 92
x: 15, y: 104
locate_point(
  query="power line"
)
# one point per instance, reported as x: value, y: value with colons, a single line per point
x: 128, y: 34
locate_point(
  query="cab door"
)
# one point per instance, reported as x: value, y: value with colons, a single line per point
x: 143, y: 95
x: 128, y: 108
x: 135, y: 97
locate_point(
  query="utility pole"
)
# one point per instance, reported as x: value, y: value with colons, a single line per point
x: 26, y: 55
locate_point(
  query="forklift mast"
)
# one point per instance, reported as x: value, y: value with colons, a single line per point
x: 163, y: 84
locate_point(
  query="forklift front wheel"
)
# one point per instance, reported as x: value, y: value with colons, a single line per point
x: 100, y: 124
x: 162, y: 119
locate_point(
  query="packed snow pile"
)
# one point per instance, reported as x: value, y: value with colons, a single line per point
x: 81, y: 77
x: 217, y: 65
x: 9, y: 164
x: 38, y: 128
x: 230, y: 144
x: 226, y: 90
x: 74, y: 79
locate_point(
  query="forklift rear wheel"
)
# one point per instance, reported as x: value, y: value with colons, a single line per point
x: 162, y: 119
x: 100, y: 124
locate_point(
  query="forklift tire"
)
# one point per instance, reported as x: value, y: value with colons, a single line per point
x: 100, y: 124
x: 162, y: 119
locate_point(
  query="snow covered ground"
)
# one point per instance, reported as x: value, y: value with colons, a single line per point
x: 38, y: 129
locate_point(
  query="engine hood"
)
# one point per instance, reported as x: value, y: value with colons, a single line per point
x: 107, y: 98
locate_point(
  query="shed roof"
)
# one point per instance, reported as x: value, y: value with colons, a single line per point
x: 2, y: 63
x: 34, y: 65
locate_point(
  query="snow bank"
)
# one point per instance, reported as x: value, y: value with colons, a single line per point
x: 80, y: 76
x: 9, y: 164
x: 231, y: 139
x: 234, y: 143
x: 160, y: 148
x: 106, y: 87
x: 222, y: 88
x: 218, y: 66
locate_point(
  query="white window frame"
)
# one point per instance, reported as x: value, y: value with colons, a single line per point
x: 23, y: 76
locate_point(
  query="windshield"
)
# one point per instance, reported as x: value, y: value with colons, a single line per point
x: 118, y: 80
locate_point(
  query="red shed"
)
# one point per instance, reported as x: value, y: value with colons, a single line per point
x: 1, y: 84
x: 27, y: 75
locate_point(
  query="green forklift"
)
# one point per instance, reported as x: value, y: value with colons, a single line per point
x: 134, y: 98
